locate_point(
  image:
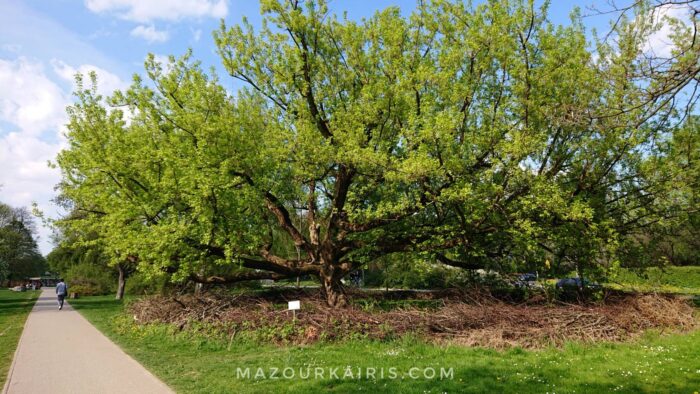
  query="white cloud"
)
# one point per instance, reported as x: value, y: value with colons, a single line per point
x: 28, y: 99
x: 26, y: 177
x: 143, y: 11
x: 26, y: 173
x: 107, y: 82
x: 35, y: 107
x: 150, y: 33
x: 32, y: 112
x: 660, y: 43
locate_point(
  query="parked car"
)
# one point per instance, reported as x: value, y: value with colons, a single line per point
x: 528, y: 280
x: 529, y: 277
x: 576, y: 283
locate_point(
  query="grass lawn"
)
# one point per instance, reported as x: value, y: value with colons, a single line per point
x: 679, y: 280
x: 14, y: 308
x: 192, y: 363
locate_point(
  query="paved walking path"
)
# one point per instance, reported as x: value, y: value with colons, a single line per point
x: 60, y: 352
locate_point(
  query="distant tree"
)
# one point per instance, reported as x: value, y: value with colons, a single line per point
x: 675, y: 241
x: 19, y: 255
x: 73, y: 249
x: 4, y: 269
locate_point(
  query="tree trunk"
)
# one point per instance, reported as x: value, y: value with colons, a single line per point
x: 332, y: 288
x: 121, y: 283
x: 582, y: 293
x: 579, y: 272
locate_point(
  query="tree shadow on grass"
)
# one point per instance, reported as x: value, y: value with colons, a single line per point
x: 15, y: 305
x: 16, y: 301
x: 12, y: 309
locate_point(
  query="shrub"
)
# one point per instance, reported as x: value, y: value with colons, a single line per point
x: 90, y: 279
x: 86, y: 290
x: 140, y: 284
x: 408, y: 272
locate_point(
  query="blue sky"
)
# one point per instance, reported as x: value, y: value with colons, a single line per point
x: 44, y: 43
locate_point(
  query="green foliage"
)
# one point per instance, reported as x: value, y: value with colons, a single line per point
x: 411, y: 272
x: 19, y: 254
x: 471, y: 134
x: 77, y: 248
x: 140, y: 284
x: 82, y: 264
x: 89, y: 279
x: 69, y: 254
x: 4, y: 269
x: 675, y: 242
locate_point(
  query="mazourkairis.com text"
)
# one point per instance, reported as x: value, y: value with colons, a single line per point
x: 344, y: 373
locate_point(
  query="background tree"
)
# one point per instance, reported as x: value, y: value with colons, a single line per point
x: 675, y: 241
x: 19, y: 254
x: 467, y: 134
x: 81, y: 259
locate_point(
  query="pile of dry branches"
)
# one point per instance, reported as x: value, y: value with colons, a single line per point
x: 469, y: 320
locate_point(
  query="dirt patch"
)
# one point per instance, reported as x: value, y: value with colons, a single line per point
x: 468, y: 319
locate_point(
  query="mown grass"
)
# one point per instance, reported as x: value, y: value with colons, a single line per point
x: 680, y: 280
x: 195, y: 363
x: 14, y: 308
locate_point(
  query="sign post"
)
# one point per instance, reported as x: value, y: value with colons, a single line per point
x: 294, y: 306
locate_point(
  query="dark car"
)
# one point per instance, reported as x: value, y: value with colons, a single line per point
x: 526, y: 280
x: 529, y: 277
x: 576, y: 283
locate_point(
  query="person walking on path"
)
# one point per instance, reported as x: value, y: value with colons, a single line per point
x: 61, y: 292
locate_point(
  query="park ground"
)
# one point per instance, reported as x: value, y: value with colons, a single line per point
x: 193, y: 362
x: 196, y: 360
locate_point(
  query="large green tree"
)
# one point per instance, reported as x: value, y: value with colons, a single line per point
x: 467, y: 133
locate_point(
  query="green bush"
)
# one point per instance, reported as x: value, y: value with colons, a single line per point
x: 410, y: 272
x: 90, y: 279
x: 86, y: 290
x: 140, y: 284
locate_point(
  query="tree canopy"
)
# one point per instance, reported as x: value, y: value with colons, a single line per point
x: 467, y: 134
x: 19, y: 254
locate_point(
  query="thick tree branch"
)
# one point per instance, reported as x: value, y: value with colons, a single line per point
x: 237, y: 277
x: 308, y: 92
x: 274, y: 205
x: 456, y: 263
